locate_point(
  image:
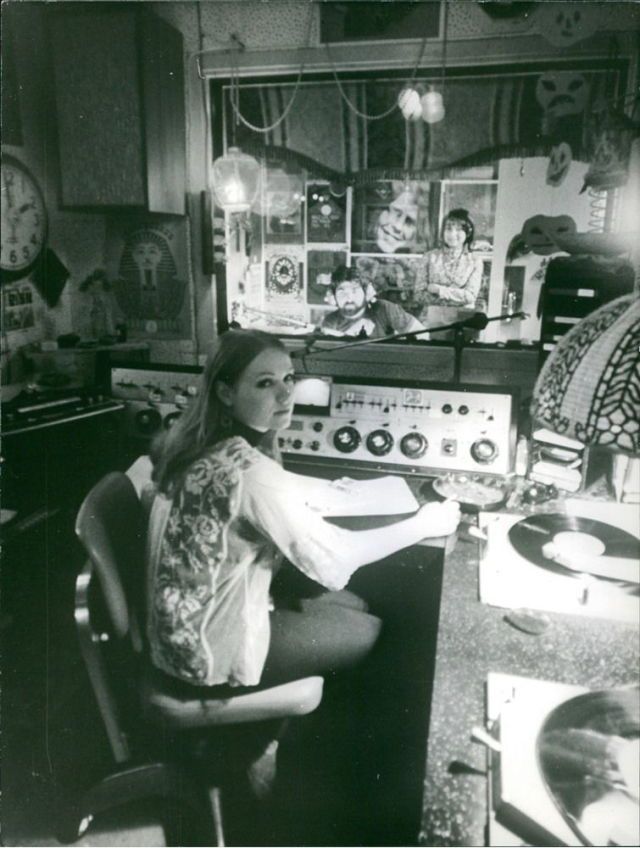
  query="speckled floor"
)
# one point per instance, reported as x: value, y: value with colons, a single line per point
x: 53, y: 743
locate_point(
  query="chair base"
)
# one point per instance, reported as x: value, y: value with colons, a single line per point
x: 165, y: 781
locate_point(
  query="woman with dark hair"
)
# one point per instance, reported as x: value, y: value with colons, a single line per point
x: 227, y: 513
x: 451, y: 274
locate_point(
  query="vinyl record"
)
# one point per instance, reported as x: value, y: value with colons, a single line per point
x: 529, y: 536
x: 587, y: 753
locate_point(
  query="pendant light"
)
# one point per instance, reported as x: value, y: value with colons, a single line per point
x: 235, y: 180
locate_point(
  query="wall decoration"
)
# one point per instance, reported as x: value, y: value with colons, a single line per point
x: 563, y: 24
x: 538, y: 235
x: 392, y: 216
x: 326, y: 214
x: 393, y: 277
x: 320, y: 265
x: 284, y: 195
x: 17, y: 307
x: 147, y: 264
x: 610, y: 162
x: 559, y: 164
x: 284, y: 273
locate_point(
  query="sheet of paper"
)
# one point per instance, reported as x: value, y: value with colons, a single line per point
x: 387, y: 495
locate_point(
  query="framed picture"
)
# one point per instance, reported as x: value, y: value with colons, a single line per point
x: 326, y: 214
x: 394, y: 216
x: 284, y: 195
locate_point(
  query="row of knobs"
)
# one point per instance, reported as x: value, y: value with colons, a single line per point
x: 412, y: 445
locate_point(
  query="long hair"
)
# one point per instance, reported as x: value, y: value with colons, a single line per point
x: 207, y: 420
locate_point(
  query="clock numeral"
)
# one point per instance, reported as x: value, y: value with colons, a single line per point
x: 26, y: 252
x: 13, y: 257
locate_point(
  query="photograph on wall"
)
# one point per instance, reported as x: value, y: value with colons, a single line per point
x: 394, y: 216
x: 479, y: 200
x: 326, y: 213
x: 320, y: 266
x: 148, y: 268
x: 283, y: 207
x: 17, y: 308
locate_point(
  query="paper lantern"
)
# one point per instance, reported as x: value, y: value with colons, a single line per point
x: 236, y: 180
x: 432, y: 107
x: 410, y: 105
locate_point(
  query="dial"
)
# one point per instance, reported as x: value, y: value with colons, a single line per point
x: 379, y: 442
x: 24, y: 220
x: 414, y: 445
x: 346, y: 439
x: 484, y: 451
x: 148, y: 421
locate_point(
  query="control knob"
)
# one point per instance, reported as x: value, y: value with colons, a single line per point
x: 414, y: 445
x: 379, y: 442
x: 346, y: 439
x: 148, y: 421
x: 484, y: 451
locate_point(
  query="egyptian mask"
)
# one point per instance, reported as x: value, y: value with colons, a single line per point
x: 562, y: 93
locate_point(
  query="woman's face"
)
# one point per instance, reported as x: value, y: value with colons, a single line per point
x: 262, y: 397
x: 397, y: 225
x: 453, y: 234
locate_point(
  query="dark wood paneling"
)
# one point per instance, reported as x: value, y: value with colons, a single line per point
x: 98, y: 104
x: 162, y: 70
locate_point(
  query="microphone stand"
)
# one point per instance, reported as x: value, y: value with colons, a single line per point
x: 476, y: 322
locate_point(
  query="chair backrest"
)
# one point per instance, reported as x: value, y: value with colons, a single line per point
x: 111, y: 526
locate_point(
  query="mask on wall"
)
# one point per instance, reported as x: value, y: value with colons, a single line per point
x: 561, y: 93
x: 565, y: 24
x: 559, y: 164
x: 539, y: 232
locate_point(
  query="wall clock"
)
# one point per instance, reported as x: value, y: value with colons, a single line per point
x: 24, y: 220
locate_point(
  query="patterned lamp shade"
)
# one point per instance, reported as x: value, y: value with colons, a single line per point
x: 589, y: 387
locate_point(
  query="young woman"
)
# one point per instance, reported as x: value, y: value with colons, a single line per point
x: 225, y: 516
x: 452, y: 275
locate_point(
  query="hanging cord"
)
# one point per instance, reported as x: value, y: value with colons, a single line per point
x: 388, y: 111
x: 445, y: 29
x: 235, y: 88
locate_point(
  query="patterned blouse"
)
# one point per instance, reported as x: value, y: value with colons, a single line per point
x: 458, y: 280
x: 213, y: 549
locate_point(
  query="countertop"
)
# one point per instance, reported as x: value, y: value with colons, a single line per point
x: 473, y: 640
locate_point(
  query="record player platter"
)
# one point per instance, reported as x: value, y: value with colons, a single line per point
x: 589, y: 756
x: 584, y: 544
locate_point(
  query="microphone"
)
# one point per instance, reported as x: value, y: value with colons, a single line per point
x: 478, y: 321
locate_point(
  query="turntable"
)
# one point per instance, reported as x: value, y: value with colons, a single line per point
x: 564, y: 766
x: 584, y: 561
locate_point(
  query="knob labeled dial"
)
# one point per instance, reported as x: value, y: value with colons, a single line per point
x: 379, y: 442
x: 148, y: 421
x: 346, y: 439
x: 484, y: 451
x: 414, y: 445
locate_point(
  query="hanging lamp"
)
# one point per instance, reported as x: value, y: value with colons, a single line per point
x: 235, y: 180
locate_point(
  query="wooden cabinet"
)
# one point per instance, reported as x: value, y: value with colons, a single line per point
x: 120, y: 107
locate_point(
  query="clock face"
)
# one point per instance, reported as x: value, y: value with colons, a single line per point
x: 24, y: 219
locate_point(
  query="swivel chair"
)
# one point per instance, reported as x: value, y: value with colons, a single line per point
x: 161, y: 743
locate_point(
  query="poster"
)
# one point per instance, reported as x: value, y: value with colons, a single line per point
x: 148, y: 267
x: 326, y: 214
x: 394, y: 216
x: 320, y: 266
x: 284, y: 195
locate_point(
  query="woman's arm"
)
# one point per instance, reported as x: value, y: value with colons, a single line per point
x: 326, y: 553
x: 467, y: 292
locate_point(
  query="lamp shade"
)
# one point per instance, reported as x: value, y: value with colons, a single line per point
x: 589, y: 387
x: 236, y: 179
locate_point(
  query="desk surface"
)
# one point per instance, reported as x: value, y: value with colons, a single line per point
x: 474, y: 639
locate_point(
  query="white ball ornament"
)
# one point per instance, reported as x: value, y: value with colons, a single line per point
x: 432, y: 107
x: 409, y: 103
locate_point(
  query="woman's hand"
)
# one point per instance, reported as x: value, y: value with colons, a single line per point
x: 434, y: 288
x: 439, y: 519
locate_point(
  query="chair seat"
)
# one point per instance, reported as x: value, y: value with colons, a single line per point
x: 295, y: 698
